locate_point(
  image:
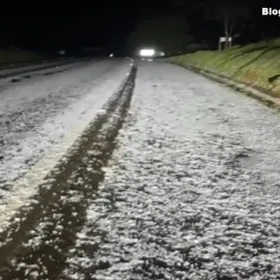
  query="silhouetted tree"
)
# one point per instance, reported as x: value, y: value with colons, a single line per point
x: 231, y: 13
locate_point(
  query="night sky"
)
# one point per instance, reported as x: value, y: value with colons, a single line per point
x: 107, y: 23
x: 95, y: 24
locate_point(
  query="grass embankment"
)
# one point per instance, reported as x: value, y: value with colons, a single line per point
x: 257, y: 65
x: 17, y: 56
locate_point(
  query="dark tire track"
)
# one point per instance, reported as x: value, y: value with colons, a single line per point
x: 41, y: 235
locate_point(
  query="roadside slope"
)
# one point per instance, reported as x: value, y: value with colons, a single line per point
x: 255, y: 64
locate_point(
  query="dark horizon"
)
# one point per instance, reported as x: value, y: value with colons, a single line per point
x: 109, y: 24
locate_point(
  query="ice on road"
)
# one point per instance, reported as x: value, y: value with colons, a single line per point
x: 192, y: 191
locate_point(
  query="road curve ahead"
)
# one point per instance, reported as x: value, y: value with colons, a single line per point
x: 177, y: 179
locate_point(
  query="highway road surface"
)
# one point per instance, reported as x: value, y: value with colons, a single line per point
x: 124, y: 170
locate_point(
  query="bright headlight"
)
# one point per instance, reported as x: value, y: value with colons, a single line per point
x: 147, y: 52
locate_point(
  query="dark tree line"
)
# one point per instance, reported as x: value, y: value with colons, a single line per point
x: 234, y: 16
x: 237, y: 19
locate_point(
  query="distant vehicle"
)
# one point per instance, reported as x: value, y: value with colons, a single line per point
x: 147, y: 53
x: 150, y: 53
x: 111, y: 55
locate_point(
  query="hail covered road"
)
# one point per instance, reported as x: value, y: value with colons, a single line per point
x: 158, y: 173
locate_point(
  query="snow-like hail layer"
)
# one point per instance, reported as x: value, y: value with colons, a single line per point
x: 192, y: 190
x: 43, y: 118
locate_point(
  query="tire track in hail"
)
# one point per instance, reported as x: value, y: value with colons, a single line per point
x: 37, y: 242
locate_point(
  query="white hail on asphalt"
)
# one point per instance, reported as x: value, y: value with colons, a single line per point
x: 191, y: 191
x: 42, y: 119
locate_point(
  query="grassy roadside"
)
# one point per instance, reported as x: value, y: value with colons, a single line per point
x: 17, y: 56
x: 256, y: 64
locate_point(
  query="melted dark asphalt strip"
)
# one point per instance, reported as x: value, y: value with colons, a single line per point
x: 37, y: 243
